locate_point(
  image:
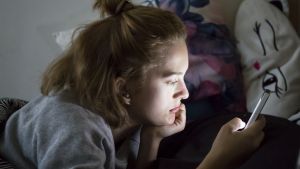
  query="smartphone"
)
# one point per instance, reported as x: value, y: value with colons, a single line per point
x: 260, y: 105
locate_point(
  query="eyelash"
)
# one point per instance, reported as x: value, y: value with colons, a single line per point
x: 172, y: 83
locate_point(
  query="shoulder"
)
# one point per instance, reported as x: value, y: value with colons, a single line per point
x: 80, y: 134
x: 58, y: 133
x: 64, y: 110
x: 61, y: 113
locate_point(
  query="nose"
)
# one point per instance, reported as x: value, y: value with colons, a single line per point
x: 181, y: 91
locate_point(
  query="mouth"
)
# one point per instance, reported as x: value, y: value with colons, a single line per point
x: 174, y: 110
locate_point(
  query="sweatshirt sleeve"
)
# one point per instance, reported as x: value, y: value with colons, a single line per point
x: 73, y: 138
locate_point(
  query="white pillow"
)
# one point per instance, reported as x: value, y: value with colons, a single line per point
x: 270, y: 59
x: 63, y: 38
x: 285, y: 6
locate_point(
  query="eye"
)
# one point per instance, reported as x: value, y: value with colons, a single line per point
x: 172, y: 83
x: 270, y: 82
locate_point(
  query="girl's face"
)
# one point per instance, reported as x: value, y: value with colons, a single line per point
x: 163, y: 90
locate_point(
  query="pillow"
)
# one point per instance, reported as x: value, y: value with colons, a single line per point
x: 296, y: 119
x: 283, y: 5
x: 63, y: 38
x: 270, y: 57
x: 229, y: 7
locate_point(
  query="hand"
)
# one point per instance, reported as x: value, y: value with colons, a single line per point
x: 232, y: 148
x: 160, y: 132
x: 152, y: 135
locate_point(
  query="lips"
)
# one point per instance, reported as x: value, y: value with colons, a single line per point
x: 174, y: 110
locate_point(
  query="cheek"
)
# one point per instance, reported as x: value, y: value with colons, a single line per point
x: 159, y: 99
x: 157, y: 112
x: 153, y: 105
x: 162, y: 103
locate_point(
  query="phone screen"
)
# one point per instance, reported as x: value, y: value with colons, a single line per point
x: 260, y: 105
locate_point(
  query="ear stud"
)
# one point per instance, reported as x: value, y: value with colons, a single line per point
x: 126, y: 96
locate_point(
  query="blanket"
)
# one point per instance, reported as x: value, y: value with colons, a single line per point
x: 187, y: 149
x: 7, y: 108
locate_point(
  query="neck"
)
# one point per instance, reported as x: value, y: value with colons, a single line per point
x: 124, y: 131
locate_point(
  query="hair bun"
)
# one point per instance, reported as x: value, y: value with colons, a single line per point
x: 112, y: 7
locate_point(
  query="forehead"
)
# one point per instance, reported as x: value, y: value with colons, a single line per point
x: 175, y: 60
x: 177, y: 54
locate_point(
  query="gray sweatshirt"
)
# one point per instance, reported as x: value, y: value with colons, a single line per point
x: 55, y: 132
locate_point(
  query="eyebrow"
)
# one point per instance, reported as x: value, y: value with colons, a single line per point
x: 168, y: 74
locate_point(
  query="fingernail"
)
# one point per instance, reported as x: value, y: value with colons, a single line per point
x: 243, y: 125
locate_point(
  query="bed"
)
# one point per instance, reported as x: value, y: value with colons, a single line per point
x: 244, y: 47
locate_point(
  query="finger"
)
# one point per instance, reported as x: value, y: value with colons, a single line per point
x: 181, y: 109
x: 181, y: 115
x: 261, y: 121
x: 234, y: 124
x: 258, y: 125
x: 259, y: 139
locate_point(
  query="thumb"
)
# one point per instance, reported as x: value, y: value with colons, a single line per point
x: 180, y: 116
x: 235, y: 124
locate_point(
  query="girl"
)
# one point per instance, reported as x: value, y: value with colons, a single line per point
x: 112, y: 97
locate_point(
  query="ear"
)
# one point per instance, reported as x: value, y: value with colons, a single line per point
x: 122, y: 89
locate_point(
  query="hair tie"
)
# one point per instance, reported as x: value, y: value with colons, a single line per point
x: 120, y: 6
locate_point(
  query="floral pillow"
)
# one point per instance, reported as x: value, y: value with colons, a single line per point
x: 214, y: 69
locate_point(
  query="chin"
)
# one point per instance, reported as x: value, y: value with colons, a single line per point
x: 165, y: 121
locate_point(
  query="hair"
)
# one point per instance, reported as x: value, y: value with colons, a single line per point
x: 126, y: 42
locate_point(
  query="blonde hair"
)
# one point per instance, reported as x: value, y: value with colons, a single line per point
x: 125, y: 44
